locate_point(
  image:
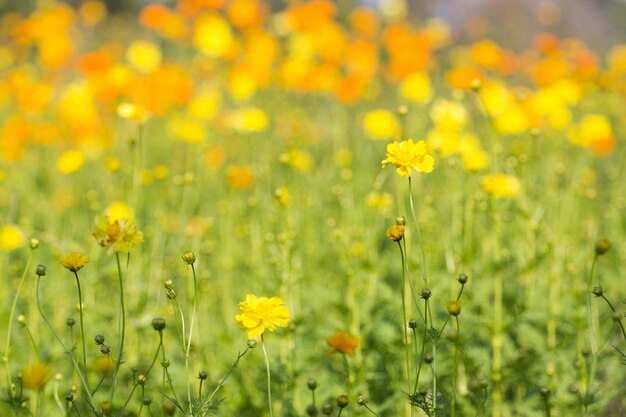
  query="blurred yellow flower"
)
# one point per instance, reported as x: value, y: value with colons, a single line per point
x: 282, y: 195
x: 381, y: 124
x: 70, y: 161
x: 36, y: 375
x: 213, y: 35
x: 299, y: 160
x: 187, y: 129
x: 376, y: 199
x: 143, y: 56
x: 116, y: 235
x: 261, y: 313
x: 248, y: 120
x: 11, y: 237
x: 342, y: 342
x: 118, y: 210
x: 501, y: 185
x: 417, y: 88
x: 591, y: 128
x: 205, y: 105
x: 131, y: 111
x: 407, y: 155
x: 74, y: 261
x: 448, y: 115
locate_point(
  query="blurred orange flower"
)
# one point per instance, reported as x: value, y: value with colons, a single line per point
x: 342, y: 342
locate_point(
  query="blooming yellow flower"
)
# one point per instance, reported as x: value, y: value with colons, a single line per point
x: 342, y: 342
x: 36, y: 375
x: 74, y: 261
x: 117, y: 235
x: 261, y: 313
x: 501, y: 185
x: 406, y: 155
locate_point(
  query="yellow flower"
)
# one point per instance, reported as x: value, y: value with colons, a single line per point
x: 501, y: 185
x: 342, y: 342
x: 119, y: 210
x: 143, y: 56
x: 74, y: 261
x: 117, y: 235
x: 11, y: 237
x: 70, y: 161
x: 406, y: 155
x: 261, y: 313
x: 381, y: 124
x: 36, y: 375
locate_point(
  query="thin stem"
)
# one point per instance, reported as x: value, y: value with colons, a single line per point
x: 156, y: 355
x: 82, y: 328
x: 269, y: 380
x: 621, y: 325
x: 370, y: 410
x: 121, y: 323
x: 32, y: 342
x: 456, y: 368
x: 188, y: 345
x: 83, y: 380
x: 419, y: 233
x: 7, y: 347
x: 57, y: 399
x: 405, y: 327
x: 421, y: 361
x: 121, y: 412
x: 233, y: 366
x: 433, y: 367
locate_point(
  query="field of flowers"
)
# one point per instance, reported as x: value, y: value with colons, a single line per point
x: 250, y: 209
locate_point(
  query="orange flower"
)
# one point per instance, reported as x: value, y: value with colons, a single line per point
x: 342, y: 342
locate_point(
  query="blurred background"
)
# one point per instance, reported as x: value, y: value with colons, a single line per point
x: 512, y: 23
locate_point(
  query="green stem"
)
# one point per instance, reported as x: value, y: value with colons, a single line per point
x: 156, y: 355
x: 7, y: 347
x: 405, y: 328
x: 619, y: 322
x: 421, y: 361
x: 456, y: 369
x: 233, y: 366
x: 269, y: 379
x: 121, y: 323
x: 83, y: 380
x: 419, y: 233
x: 82, y: 328
x: 188, y: 345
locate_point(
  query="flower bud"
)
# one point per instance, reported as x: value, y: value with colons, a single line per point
x: 361, y: 400
x: 454, y: 308
x: 40, y: 270
x: 169, y: 284
x: 426, y: 293
x: 342, y: 401
x: 169, y: 408
x: 70, y: 322
x: 602, y: 247
x: 99, y: 339
x: 105, y: 350
x: 311, y: 383
x: 400, y: 221
x: 189, y: 257
x: 70, y: 397
x: 165, y: 363
x: 34, y: 244
x: 202, y: 375
x: 252, y: 343
x: 428, y: 358
x: 141, y: 380
x: 598, y: 291
x: 147, y: 400
x: 403, y: 109
x: 311, y: 410
x: 462, y: 278
x: 21, y: 319
x: 412, y: 324
x: 158, y: 324
x: 327, y: 409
